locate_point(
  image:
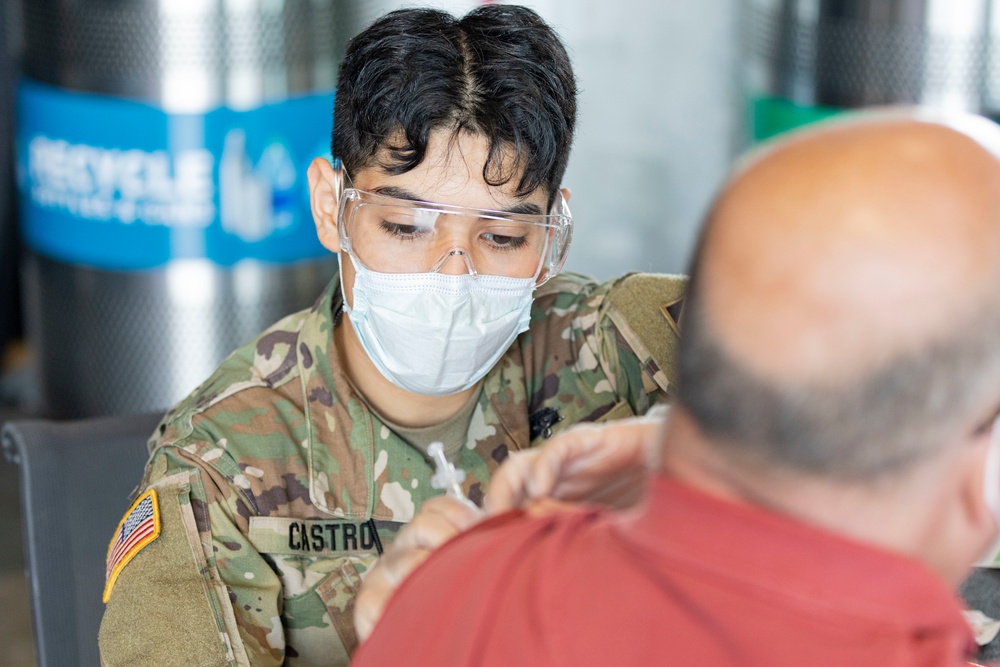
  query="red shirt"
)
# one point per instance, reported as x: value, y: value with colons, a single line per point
x: 686, y: 580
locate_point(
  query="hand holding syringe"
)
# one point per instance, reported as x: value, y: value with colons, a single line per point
x: 447, y: 476
x: 439, y: 520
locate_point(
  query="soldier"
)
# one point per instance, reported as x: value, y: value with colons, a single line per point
x: 278, y: 482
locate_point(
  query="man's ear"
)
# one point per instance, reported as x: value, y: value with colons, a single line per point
x: 979, y: 520
x: 973, y: 485
x: 940, y: 503
x: 324, y: 189
x: 565, y: 193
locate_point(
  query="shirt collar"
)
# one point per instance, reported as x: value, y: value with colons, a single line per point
x: 340, y: 483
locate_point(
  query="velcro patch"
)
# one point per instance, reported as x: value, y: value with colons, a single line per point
x: 139, y: 527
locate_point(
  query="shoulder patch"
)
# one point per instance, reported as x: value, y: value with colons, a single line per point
x: 139, y: 527
x: 647, y: 309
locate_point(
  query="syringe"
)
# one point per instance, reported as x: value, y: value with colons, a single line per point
x: 446, y: 475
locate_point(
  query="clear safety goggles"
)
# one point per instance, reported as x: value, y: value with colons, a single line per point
x: 392, y: 235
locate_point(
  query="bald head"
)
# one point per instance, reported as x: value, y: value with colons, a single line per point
x: 846, y: 289
x: 841, y: 248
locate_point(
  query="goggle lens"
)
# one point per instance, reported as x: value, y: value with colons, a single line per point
x: 391, y: 235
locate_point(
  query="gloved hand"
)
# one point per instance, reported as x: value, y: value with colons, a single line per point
x: 440, y: 519
x: 605, y: 463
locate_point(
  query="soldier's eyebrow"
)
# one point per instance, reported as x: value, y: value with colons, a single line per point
x: 398, y: 193
x: 523, y: 208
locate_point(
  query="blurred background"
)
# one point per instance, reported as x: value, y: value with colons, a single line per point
x: 153, y: 211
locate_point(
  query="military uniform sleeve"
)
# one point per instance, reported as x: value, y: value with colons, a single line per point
x: 198, y: 594
x: 640, y: 335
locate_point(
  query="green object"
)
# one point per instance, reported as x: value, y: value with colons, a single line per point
x: 774, y: 115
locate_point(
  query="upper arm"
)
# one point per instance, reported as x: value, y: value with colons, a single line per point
x: 642, y: 336
x: 178, y: 600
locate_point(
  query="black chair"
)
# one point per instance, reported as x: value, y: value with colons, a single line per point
x: 982, y: 591
x: 76, y: 479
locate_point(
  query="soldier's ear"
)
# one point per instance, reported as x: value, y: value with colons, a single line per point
x: 325, y: 186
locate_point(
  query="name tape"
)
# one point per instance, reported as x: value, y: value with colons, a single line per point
x: 299, y: 537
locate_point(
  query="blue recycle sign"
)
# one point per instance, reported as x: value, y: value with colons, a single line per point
x: 118, y: 184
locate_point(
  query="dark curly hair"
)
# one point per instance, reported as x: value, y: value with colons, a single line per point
x: 500, y: 72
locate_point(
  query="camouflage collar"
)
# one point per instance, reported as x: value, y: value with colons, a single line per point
x: 340, y: 484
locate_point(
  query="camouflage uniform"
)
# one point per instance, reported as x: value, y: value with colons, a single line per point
x: 278, y: 487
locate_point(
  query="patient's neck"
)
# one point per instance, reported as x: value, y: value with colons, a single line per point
x: 890, y: 515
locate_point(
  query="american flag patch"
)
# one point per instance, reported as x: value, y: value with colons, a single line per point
x: 139, y: 527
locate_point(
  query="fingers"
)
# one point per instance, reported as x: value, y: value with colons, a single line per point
x: 440, y: 519
x: 534, y: 474
x: 625, y: 492
x: 547, y: 507
x: 604, y: 463
x: 370, y: 602
x: 559, y: 458
x: 508, y: 485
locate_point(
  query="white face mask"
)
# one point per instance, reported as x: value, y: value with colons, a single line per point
x: 436, y: 334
